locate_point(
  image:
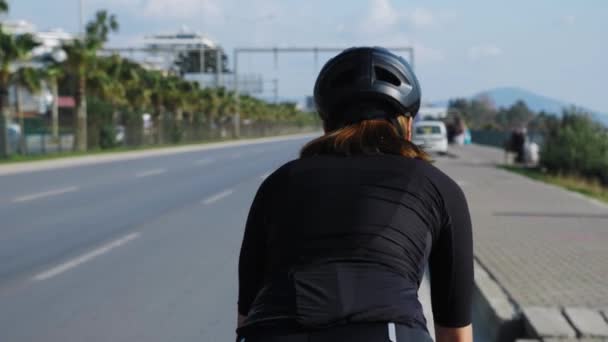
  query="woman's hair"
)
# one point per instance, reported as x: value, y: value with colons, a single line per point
x: 376, y: 136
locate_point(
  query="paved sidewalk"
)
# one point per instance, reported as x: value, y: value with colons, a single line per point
x: 547, y: 247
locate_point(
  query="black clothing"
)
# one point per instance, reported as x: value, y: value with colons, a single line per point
x: 352, y: 333
x: 335, y: 240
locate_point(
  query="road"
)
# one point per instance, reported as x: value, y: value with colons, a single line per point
x: 138, y: 250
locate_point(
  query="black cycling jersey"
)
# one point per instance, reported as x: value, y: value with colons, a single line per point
x: 332, y: 240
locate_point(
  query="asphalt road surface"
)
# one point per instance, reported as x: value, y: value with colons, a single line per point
x: 139, y: 250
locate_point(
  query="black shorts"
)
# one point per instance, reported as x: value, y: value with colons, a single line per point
x: 375, y: 332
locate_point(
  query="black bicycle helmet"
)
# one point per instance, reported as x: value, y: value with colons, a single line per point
x: 365, y: 83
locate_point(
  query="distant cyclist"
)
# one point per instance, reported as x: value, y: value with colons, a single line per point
x: 337, y: 241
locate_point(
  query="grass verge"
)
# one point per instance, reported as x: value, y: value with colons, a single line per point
x: 573, y: 183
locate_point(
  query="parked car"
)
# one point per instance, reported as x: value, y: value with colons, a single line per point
x: 432, y: 136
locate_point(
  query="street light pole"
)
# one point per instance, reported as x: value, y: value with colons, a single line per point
x: 81, y: 23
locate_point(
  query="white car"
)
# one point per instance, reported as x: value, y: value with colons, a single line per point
x: 432, y: 136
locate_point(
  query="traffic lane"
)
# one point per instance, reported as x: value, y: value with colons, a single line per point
x: 28, y: 242
x: 176, y: 282
x: 21, y: 213
x: 15, y: 186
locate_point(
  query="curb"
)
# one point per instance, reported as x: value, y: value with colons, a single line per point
x: 567, y: 324
x: 499, y: 315
x: 60, y: 163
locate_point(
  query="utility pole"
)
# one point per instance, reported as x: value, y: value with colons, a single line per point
x: 81, y: 20
x: 202, y: 62
x: 275, y: 82
x: 219, y: 66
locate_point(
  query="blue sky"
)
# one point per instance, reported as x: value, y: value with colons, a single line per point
x: 553, y: 47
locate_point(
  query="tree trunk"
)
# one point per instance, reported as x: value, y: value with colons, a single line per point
x: 236, y: 121
x: 4, y: 116
x: 19, y: 106
x: 179, y: 120
x: 55, y: 110
x: 81, y: 115
x: 159, y: 124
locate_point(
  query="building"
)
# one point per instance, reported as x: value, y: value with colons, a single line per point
x: 186, y: 51
x: 165, y: 51
x: 50, y: 42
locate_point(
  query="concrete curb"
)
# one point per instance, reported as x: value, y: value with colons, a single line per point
x: 569, y: 324
x: 60, y: 163
x: 503, y: 321
x: 496, y: 311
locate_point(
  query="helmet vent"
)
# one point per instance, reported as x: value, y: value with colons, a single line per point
x: 386, y: 76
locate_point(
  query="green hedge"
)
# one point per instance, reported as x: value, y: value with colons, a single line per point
x: 577, y: 146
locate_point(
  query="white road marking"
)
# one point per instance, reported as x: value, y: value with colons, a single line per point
x: 149, y: 173
x: 45, y: 194
x: 55, y: 271
x: 218, y: 196
x: 204, y: 161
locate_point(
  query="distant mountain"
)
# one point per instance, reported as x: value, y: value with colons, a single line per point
x: 506, y: 96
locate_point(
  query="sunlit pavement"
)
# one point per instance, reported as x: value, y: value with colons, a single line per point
x: 545, y: 246
x: 146, y: 250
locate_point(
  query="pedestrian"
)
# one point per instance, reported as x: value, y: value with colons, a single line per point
x: 337, y: 241
x: 519, y: 141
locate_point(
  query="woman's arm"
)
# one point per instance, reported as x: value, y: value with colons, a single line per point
x: 251, y: 259
x: 464, y: 334
x: 451, y: 269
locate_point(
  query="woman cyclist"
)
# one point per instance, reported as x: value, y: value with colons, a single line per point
x: 337, y: 242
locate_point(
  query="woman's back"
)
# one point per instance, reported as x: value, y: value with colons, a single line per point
x: 333, y: 240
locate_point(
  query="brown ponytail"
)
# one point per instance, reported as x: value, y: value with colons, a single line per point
x: 377, y: 136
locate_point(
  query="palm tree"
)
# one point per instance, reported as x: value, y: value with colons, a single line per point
x: 24, y: 79
x: 13, y: 48
x: 156, y: 84
x: 228, y: 109
x: 132, y: 78
x: 105, y: 82
x: 179, y: 98
x: 52, y: 73
x: 81, y: 59
x: 211, y: 106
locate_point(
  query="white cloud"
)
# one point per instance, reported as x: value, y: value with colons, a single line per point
x: 483, y: 51
x: 382, y: 17
x: 181, y: 9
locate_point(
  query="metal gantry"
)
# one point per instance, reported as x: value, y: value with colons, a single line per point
x: 296, y: 49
